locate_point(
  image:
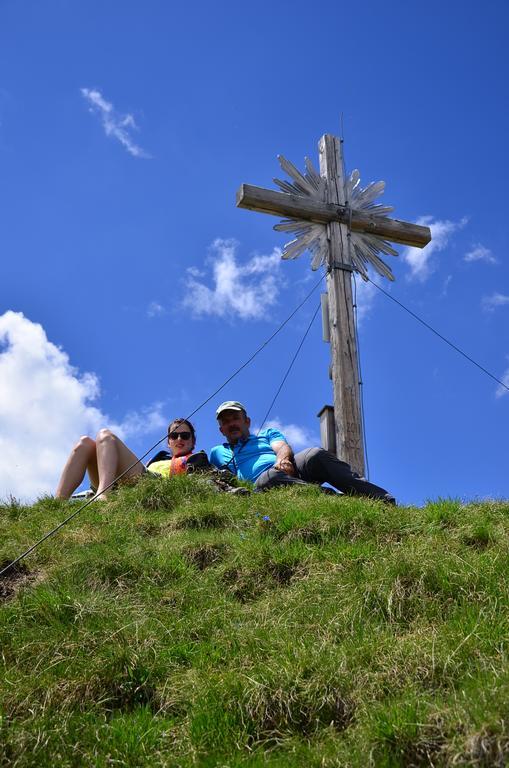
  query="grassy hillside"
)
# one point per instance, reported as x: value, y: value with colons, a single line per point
x: 175, y: 626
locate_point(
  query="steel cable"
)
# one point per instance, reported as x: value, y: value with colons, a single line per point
x: 294, y: 358
x: 440, y: 336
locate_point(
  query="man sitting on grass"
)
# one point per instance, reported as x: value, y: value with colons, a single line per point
x: 267, y: 460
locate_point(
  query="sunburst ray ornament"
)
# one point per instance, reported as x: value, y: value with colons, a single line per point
x: 312, y: 236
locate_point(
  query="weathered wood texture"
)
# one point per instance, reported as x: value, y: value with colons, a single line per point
x: 345, y: 370
x: 301, y: 207
x: 324, y: 303
x: 327, y: 428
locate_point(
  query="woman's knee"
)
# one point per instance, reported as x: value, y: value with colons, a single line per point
x: 84, y: 445
x: 105, y: 436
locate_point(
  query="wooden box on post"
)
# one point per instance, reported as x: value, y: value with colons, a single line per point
x: 327, y: 428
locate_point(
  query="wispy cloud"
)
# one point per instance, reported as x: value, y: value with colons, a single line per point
x: 51, y: 422
x: 155, y: 309
x: 365, y: 296
x: 115, y: 125
x: 479, y: 252
x: 445, y: 286
x: 421, y: 260
x: 244, y: 290
x: 501, y: 391
x: 142, y: 422
x: 298, y: 437
x: 490, y: 303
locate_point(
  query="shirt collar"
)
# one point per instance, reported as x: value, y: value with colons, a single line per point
x: 239, y: 444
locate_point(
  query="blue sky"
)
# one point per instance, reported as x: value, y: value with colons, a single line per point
x: 131, y: 284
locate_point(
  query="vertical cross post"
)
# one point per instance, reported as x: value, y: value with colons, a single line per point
x: 345, y: 368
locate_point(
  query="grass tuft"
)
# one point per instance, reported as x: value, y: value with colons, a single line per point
x: 487, y: 749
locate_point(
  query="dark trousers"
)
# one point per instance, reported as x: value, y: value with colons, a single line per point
x: 316, y: 465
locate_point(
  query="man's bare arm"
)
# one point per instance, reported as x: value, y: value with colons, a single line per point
x: 284, y: 457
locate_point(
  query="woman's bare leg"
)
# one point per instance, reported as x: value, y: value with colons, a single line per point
x: 82, y: 457
x: 114, y: 458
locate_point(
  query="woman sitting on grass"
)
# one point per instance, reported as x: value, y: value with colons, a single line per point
x: 107, y: 457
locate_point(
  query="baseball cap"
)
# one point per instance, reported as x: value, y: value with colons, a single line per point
x: 230, y: 405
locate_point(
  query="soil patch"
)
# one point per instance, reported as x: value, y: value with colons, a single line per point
x: 13, y: 579
x: 205, y: 556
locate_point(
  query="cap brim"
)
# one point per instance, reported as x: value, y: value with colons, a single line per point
x: 229, y: 408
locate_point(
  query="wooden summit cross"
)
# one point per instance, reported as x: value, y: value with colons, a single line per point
x: 343, y: 227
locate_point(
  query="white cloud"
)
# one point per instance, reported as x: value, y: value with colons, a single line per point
x: 116, y: 125
x: 420, y: 260
x: 240, y: 290
x: 365, y: 296
x: 137, y: 423
x: 490, y: 303
x: 195, y: 272
x: 445, y: 286
x: 480, y: 253
x: 298, y: 437
x: 45, y: 405
x: 500, y: 391
x: 155, y: 309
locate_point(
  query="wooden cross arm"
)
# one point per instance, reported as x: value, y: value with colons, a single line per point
x: 301, y: 207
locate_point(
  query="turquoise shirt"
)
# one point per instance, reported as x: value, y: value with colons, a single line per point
x: 248, y: 458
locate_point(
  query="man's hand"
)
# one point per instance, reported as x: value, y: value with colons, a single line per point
x: 286, y: 466
x: 284, y: 458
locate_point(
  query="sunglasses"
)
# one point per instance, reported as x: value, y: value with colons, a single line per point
x: 176, y: 435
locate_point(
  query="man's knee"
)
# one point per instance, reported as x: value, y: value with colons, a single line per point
x: 320, y: 455
x: 315, y: 453
x: 311, y: 457
x: 316, y: 465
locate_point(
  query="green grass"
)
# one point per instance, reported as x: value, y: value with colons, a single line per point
x: 175, y: 626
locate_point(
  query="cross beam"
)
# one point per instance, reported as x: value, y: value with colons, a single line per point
x: 301, y: 207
